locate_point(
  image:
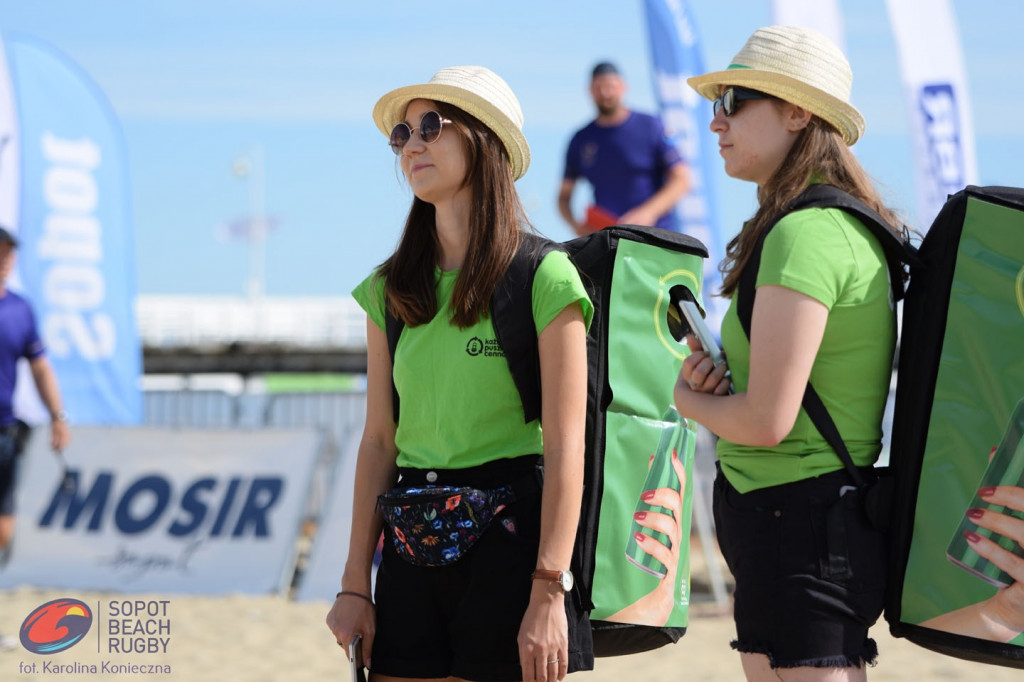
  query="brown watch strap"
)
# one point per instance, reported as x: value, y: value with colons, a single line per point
x: 547, y: 574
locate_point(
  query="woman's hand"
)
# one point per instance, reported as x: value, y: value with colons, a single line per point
x: 999, y: 618
x: 353, y: 615
x: 544, y: 635
x: 700, y: 374
x: 655, y: 607
x: 1007, y: 606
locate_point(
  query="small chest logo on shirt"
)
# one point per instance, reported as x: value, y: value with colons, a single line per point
x: 588, y: 154
x: 488, y: 348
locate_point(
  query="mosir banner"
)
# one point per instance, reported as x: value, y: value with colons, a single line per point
x: 191, y: 511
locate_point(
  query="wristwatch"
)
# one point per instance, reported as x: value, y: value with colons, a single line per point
x: 562, y: 578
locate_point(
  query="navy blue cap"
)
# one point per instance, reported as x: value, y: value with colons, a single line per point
x: 604, y: 69
x: 6, y: 236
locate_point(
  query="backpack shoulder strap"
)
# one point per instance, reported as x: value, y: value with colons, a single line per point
x: 512, y: 317
x: 393, y: 327
x: 898, y: 252
x: 514, y: 328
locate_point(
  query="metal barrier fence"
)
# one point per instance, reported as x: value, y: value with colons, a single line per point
x: 339, y: 417
x: 336, y: 416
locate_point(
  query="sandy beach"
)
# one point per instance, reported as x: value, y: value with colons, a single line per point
x: 268, y: 638
x: 264, y: 639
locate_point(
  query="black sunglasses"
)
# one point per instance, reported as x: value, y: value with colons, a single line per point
x: 730, y: 100
x: 430, y: 127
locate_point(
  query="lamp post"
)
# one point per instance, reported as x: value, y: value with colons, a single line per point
x: 250, y: 167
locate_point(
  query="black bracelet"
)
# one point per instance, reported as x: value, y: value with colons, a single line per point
x: 355, y: 594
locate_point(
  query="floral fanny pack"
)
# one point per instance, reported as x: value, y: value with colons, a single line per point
x: 436, y: 526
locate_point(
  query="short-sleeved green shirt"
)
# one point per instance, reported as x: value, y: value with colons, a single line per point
x: 460, y: 407
x: 830, y: 256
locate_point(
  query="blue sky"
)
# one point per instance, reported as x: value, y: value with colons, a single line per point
x: 196, y: 85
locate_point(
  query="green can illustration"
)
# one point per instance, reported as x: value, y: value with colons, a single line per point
x: 1005, y: 468
x: 661, y: 474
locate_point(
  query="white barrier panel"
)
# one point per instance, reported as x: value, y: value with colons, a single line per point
x: 322, y: 577
x: 192, y: 511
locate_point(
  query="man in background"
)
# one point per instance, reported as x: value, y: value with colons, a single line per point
x: 19, y: 339
x: 636, y: 173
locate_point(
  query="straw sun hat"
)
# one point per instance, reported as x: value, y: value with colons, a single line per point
x: 477, y: 91
x: 798, y: 65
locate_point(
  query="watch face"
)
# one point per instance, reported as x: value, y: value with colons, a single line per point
x: 566, y: 581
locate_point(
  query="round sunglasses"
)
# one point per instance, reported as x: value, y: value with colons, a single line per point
x: 429, y: 129
x: 730, y: 100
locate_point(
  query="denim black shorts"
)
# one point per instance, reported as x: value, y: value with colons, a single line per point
x: 809, y: 570
x: 463, y: 619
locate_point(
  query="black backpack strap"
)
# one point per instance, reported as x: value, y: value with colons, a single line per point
x: 897, y: 254
x: 393, y: 327
x: 822, y: 420
x: 512, y: 318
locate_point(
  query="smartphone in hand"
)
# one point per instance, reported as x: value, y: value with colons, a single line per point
x: 355, y: 657
x: 684, y: 318
x: 700, y: 330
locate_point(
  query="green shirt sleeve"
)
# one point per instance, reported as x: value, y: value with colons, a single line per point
x: 809, y: 251
x: 557, y: 285
x: 369, y: 294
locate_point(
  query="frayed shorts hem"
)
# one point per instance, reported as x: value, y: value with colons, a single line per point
x: 868, y: 657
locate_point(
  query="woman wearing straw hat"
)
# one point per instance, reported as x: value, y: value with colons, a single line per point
x: 454, y: 598
x: 822, y: 313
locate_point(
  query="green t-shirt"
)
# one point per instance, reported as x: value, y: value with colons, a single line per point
x: 460, y: 407
x: 830, y: 256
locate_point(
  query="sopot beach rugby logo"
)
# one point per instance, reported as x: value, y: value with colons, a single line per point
x: 56, y: 626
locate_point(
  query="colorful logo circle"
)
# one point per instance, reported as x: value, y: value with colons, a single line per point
x: 665, y: 318
x: 56, y: 626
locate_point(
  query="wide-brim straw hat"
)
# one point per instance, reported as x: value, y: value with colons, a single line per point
x: 798, y: 65
x: 476, y: 90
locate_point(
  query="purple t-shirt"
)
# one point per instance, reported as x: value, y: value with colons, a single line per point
x: 18, y: 339
x: 625, y: 164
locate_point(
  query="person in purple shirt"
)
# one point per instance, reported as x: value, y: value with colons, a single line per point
x: 636, y: 173
x: 19, y: 339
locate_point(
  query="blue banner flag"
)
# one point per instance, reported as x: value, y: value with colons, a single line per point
x: 938, y: 104
x: 675, y: 56
x: 76, y: 259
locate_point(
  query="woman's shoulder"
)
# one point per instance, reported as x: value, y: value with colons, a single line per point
x: 372, y: 284
x: 815, y: 218
x: 554, y: 270
x: 825, y: 225
x: 369, y: 294
x: 816, y: 228
x: 556, y: 284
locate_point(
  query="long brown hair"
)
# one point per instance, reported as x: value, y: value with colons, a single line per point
x: 819, y: 153
x: 494, y: 234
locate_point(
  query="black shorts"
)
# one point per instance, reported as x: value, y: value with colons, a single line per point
x: 463, y: 619
x: 809, y: 583
x: 8, y: 470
